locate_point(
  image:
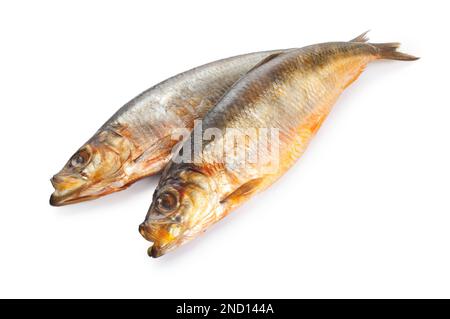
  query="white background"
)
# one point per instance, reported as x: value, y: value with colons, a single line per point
x: 364, y: 213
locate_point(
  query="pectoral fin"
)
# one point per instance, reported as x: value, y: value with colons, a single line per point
x: 153, y: 159
x: 243, y: 192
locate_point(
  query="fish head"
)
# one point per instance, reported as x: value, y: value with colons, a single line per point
x: 182, y: 207
x: 96, y: 169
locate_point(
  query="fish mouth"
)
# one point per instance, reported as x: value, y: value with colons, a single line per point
x: 87, y: 190
x: 156, y: 249
x: 152, y: 251
x: 57, y: 199
x: 66, y: 199
x: 62, y: 196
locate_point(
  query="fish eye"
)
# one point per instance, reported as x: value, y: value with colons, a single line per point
x: 81, y: 158
x: 166, y: 202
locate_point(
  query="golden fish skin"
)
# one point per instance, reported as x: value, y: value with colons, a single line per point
x: 292, y: 92
x: 136, y: 141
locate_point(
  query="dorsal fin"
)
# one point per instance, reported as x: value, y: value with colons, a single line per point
x: 361, y: 38
x: 265, y: 60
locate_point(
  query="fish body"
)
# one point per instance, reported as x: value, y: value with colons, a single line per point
x: 292, y: 92
x: 137, y: 140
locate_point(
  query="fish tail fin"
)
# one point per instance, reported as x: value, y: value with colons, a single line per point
x: 361, y: 38
x: 389, y: 51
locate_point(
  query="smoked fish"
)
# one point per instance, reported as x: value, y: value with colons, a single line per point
x: 137, y: 140
x: 291, y: 93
